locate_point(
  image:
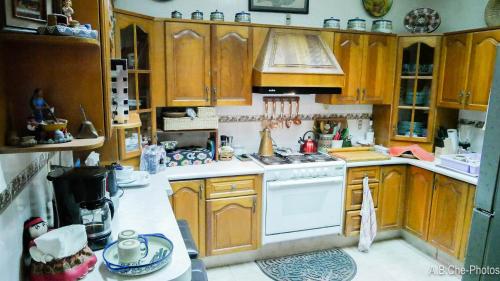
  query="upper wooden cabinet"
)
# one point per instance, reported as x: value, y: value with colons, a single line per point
x: 454, y: 67
x: 232, y: 65
x: 468, y: 64
x: 208, y: 64
x: 448, y: 214
x: 416, y: 89
x: 188, y: 203
x: 391, y: 197
x: 368, y: 62
x: 418, y: 201
x: 188, y: 64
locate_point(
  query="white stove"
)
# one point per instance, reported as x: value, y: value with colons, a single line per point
x: 302, y: 196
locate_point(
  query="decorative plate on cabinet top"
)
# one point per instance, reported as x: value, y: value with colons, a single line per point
x: 422, y: 20
x: 377, y: 8
x: 492, y: 13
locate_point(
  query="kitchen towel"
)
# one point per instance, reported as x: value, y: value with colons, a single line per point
x: 368, y: 229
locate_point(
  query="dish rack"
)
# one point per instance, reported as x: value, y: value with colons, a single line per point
x: 463, y: 163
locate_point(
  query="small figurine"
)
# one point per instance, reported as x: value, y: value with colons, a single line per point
x: 39, y: 105
x: 68, y: 11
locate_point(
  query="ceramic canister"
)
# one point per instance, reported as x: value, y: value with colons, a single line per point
x: 197, y: 15
x: 217, y: 16
x: 242, y: 17
x: 382, y: 26
x: 356, y: 24
x: 331, y: 23
x: 176, y: 15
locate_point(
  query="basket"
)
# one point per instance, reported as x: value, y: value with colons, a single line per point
x: 186, y: 123
x: 206, y: 112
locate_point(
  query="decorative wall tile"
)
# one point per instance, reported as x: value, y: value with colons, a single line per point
x: 304, y: 117
x: 19, y: 182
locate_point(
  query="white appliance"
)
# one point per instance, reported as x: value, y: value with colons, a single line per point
x: 302, y: 198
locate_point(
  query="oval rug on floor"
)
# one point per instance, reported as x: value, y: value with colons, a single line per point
x: 325, y: 265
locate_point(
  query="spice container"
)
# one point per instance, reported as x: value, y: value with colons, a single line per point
x: 331, y: 23
x: 356, y: 24
x: 242, y: 17
x: 197, y: 15
x: 217, y: 16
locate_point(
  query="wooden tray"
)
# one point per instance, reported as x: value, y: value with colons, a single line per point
x: 358, y: 156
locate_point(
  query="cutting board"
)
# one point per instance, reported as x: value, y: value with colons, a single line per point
x: 358, y: 156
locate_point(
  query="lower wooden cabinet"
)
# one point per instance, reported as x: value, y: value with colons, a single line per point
x: 353, y: 222
x: 448, y: 214
x: 223, y: 213
x: 418, y: 201
x: 188, y: 203
x: 391, y: 197
x: 232, y: 225
x: 354, y: 196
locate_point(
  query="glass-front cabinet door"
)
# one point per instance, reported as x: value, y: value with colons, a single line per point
x: 416, y: 86
x: 133, y: 42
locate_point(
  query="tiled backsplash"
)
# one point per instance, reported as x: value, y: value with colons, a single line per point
x: 245, y: 122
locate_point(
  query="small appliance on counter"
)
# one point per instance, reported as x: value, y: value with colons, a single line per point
x: 80, y: 195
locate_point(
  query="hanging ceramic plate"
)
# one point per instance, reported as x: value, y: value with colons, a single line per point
x: 492, y: 13
x: 377, y: 8
x: 422, y: 20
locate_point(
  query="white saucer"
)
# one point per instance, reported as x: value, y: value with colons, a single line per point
x: 138, y: 179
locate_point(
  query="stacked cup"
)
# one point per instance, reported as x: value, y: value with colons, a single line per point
x: 131, y: 247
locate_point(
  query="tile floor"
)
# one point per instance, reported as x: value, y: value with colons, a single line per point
x: 392, y: 260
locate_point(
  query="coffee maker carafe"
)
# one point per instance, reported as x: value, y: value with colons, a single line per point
x: 80, y: 195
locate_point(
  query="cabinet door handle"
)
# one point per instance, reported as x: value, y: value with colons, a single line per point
x: 233, y: 187
x: 466, y: 98
x: 358, y: 94
x: 202, y: 190
x: 364, y: 94
x: 254, y: 205
x: 207, y: 93
x: 214, y: 91
x: 461, y: 97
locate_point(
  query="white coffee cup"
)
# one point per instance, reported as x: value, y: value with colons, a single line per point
x: 128, y: 234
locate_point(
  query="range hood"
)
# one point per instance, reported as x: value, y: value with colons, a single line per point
x: 297, y: 61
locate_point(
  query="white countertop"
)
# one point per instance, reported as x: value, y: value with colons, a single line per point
x: 431, y: 166
x: 147, y: 210
x: 216, y: 169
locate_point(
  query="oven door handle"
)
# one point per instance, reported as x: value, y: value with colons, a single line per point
x: 278, y: 184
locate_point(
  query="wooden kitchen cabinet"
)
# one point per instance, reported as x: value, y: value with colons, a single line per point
x: 415, y: 93
x: 233, y: 186
x: 188, y: 203
x: 368, y: 62
x: 232, y: 64
x: 481, y: 70
x: 469, y: 210
x: 353, y: 222
x: 454, y: 67
x: 233, y: 225
x: 448, y: 214
x: 354, y: 196
x: 188, y: 64
x: 208, y: 64
x: 391, y: 197
x: 418, y: 201
x: 356, y: 175
x: 468, y: 65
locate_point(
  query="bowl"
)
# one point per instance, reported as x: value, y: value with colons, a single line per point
x: 61, y: 124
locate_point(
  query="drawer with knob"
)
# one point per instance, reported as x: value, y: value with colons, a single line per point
x: 354, y: 196
x: 232, y: 186
x: 356, y: 175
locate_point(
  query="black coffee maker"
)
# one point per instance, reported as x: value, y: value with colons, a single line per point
x: 80, y: 199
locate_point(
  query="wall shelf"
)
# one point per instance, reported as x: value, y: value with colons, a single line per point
x: 74, y: 145
x: 48, y: 39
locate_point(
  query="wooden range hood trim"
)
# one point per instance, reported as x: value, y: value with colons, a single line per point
x: 297, y: 80
x: 296, y: 58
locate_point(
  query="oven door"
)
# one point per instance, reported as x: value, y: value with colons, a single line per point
x: 304, y: 204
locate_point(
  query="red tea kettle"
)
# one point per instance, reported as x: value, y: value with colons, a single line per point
x: 308, y: 145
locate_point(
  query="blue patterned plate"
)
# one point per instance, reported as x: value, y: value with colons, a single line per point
x: 160, y: 250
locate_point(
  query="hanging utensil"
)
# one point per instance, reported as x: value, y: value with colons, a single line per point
x: 289, y: 121
x: 274, y: 122
x: 282, y: 113
x: 265, y: 118
x: 297, y: 120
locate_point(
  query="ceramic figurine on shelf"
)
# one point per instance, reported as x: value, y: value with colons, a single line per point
x: 67, y: 9
x: 39, y: 106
